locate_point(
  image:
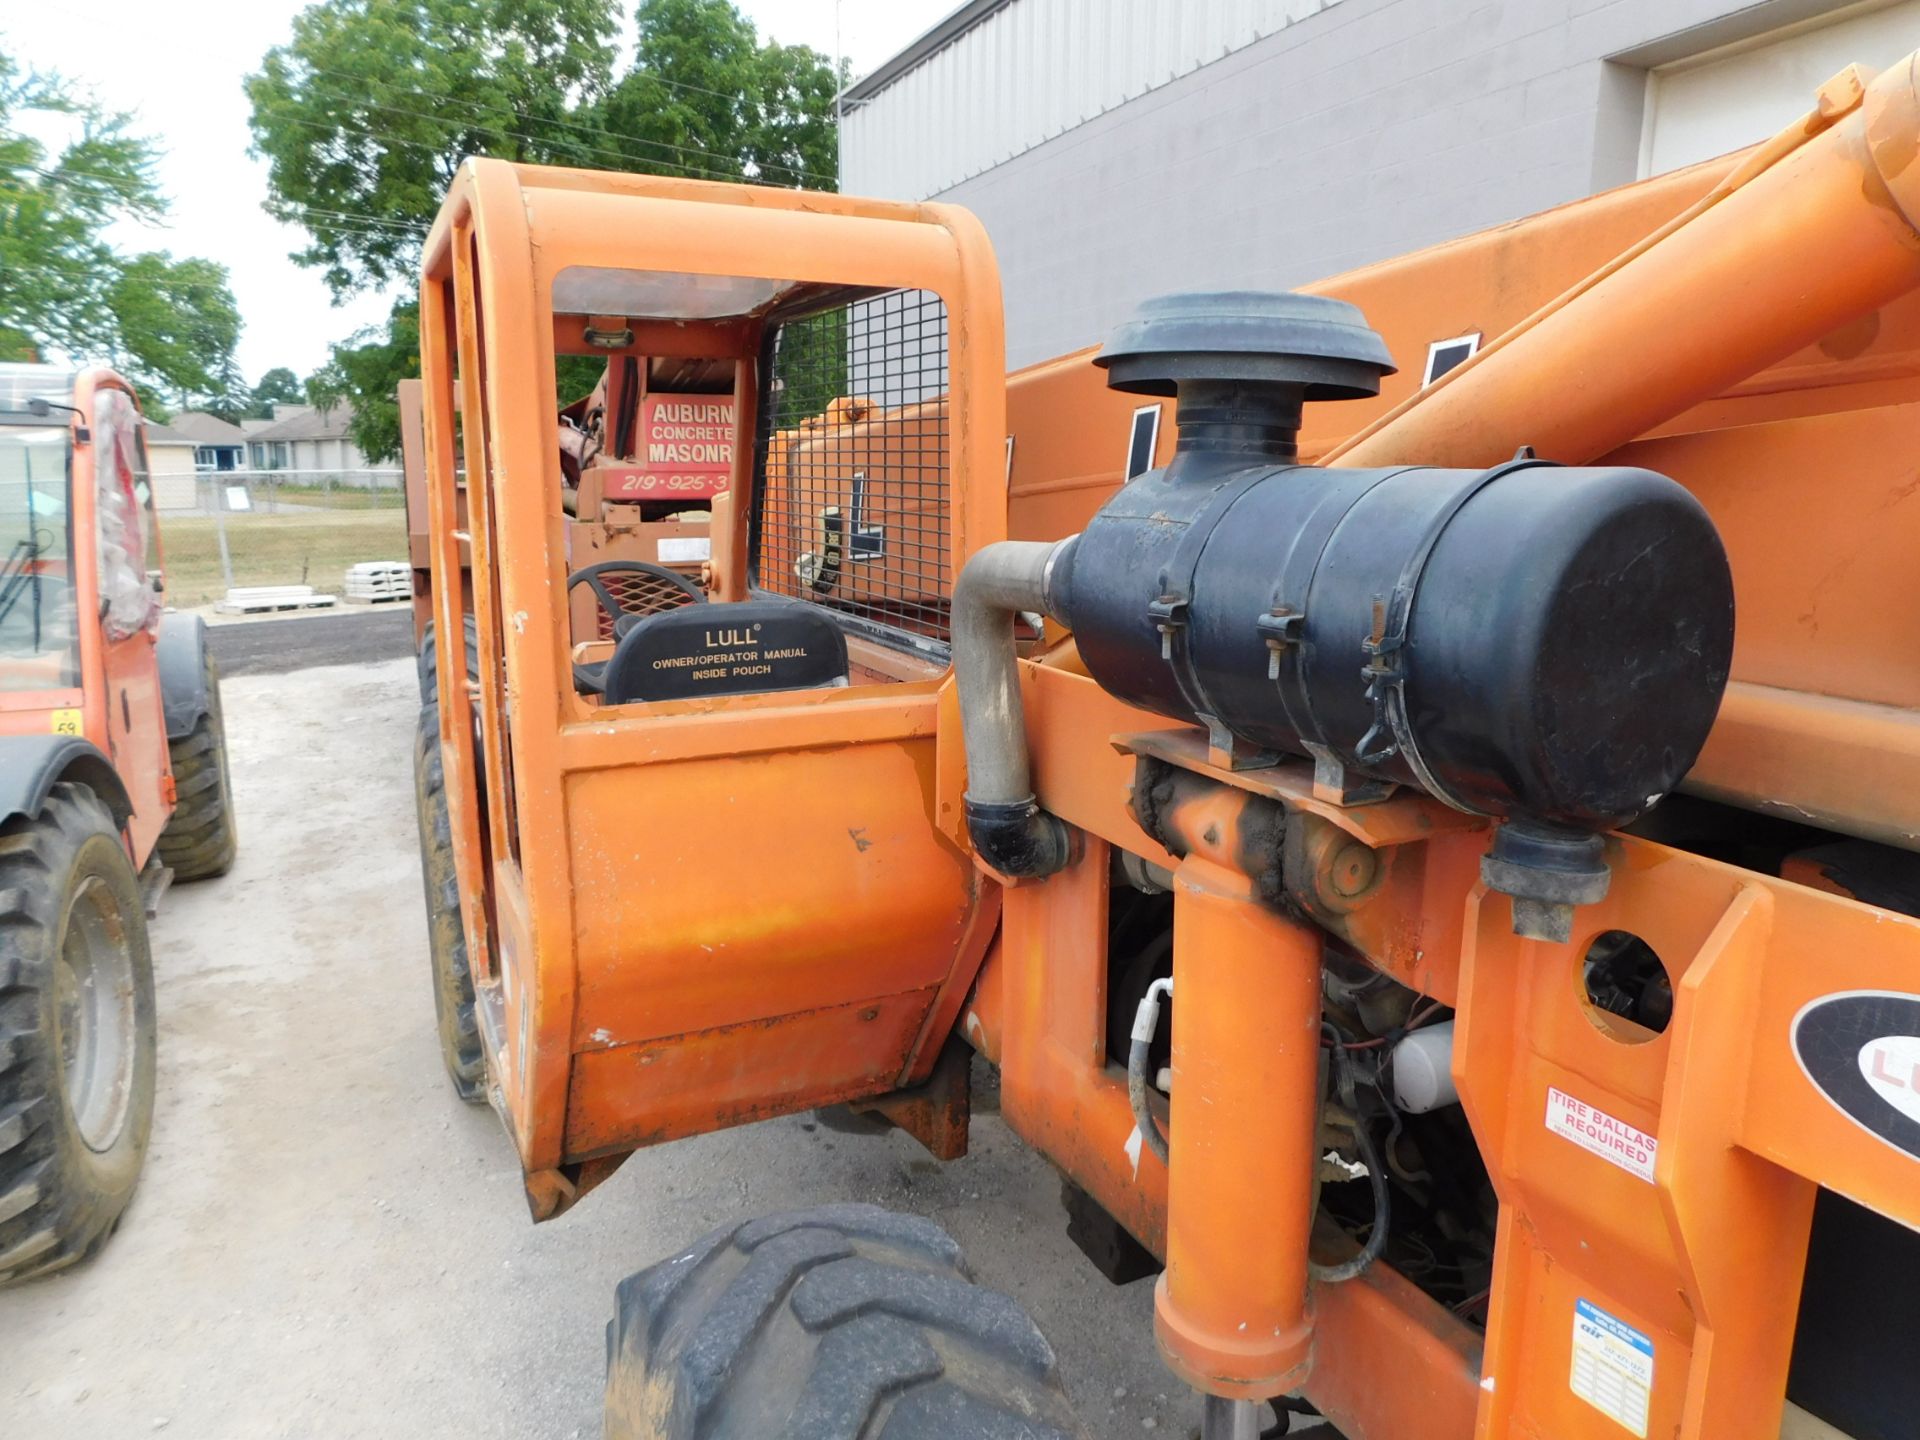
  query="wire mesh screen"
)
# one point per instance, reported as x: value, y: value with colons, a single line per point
x: 854, y: 490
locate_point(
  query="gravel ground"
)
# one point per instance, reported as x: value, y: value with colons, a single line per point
x: 327, y: 1244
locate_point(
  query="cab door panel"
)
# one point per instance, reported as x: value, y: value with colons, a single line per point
x: 770, y: 929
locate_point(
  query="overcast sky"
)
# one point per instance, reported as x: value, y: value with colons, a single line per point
x: 178, y: 69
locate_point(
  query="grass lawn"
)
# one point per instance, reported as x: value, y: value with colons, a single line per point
x: 344, y: 497
x: 276, y: 550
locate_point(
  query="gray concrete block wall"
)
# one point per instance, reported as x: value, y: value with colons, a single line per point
x: 1370, y: 129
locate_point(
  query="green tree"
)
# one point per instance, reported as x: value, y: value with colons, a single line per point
x: 176, y: 326
x: 279, y: 386
x: 365, y: 372
x: 365, y: 115
x: 171, y: 325
x: 54, y: 268
x: 706, y: 98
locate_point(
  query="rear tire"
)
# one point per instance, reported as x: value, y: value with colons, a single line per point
x: 76, y: 1033
x: 200, y: 841
x: 453, y: 1000
x: 834, y: 1323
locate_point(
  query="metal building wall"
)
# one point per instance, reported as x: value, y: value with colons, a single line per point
x: 1363, y: 130
x: 1033, y: 69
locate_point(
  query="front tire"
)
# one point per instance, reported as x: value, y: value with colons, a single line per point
x: 427, y: 659
x: 200, y: 841
x: 845, y: 1322
x: 76, y: 1033
x: 453, y: 999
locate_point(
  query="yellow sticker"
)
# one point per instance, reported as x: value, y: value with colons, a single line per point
x: 67, y: 722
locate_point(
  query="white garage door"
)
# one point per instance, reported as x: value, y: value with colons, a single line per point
x: 1729, y: 98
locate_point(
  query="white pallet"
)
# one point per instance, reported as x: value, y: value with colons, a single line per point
x: 248, y: 599
x: 375, y: 581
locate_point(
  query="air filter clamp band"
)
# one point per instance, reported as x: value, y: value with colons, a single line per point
x: 1385, y: 673
x: 1168, y: 614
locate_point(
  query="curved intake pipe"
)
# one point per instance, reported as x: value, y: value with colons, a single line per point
x: 1010, y: 831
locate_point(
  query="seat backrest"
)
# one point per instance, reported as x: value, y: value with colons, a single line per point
x: 741, y: 649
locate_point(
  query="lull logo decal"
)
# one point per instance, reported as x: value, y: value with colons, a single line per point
x: 1861, y: 1049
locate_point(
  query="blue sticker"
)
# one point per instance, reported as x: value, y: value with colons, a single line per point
x: 1612, y: 1366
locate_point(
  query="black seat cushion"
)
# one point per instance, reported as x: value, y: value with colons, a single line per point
x: 743, y: 649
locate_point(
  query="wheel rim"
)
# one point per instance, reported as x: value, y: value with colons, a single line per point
x: 93, y: 989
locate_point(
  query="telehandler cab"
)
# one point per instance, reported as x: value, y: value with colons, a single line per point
x: 641, y: 456
x: 1352, y: 673
x: 113, y: 782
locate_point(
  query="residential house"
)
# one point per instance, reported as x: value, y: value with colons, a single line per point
x: 217, y: 445
x: 172, y: 462
x: 307, y: 438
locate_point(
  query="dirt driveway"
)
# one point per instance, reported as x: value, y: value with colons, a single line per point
x: 327, y: 1244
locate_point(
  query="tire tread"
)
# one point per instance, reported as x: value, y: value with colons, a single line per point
x: 54, y: 1209
x: 876, y: 1311
x: 201, y: 840
x: 455, y: 1009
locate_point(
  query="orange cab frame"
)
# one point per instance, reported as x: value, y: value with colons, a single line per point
x: 622, y: 1000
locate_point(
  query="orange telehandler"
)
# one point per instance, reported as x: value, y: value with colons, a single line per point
x: 1411, y: 783
x: 113, y: 783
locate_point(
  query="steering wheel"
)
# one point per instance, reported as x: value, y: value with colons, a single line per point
x: 627, y: 591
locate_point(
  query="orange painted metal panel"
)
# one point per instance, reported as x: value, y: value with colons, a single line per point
x: 1687, y: 1214
x: 632, y: 1095
x: 1820, y: 515
x: 716, y: 892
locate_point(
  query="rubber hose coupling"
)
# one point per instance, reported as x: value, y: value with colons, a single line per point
x: 1547, y: 871
x: 1017, y: 838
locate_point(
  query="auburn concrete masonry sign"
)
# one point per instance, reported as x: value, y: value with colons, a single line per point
x: 686, y: 450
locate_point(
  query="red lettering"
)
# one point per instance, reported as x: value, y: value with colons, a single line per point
x: 1881, y: 1073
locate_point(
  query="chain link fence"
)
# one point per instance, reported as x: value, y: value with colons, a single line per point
x: 250, y: 528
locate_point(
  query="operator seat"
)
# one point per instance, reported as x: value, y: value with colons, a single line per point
x: 747, y: 648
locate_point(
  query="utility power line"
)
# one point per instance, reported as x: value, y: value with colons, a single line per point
x: 409, y: 226
x: 340, y: 215
x: 439, y: 98
x: 403, y: 142
x: 652, y: 75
